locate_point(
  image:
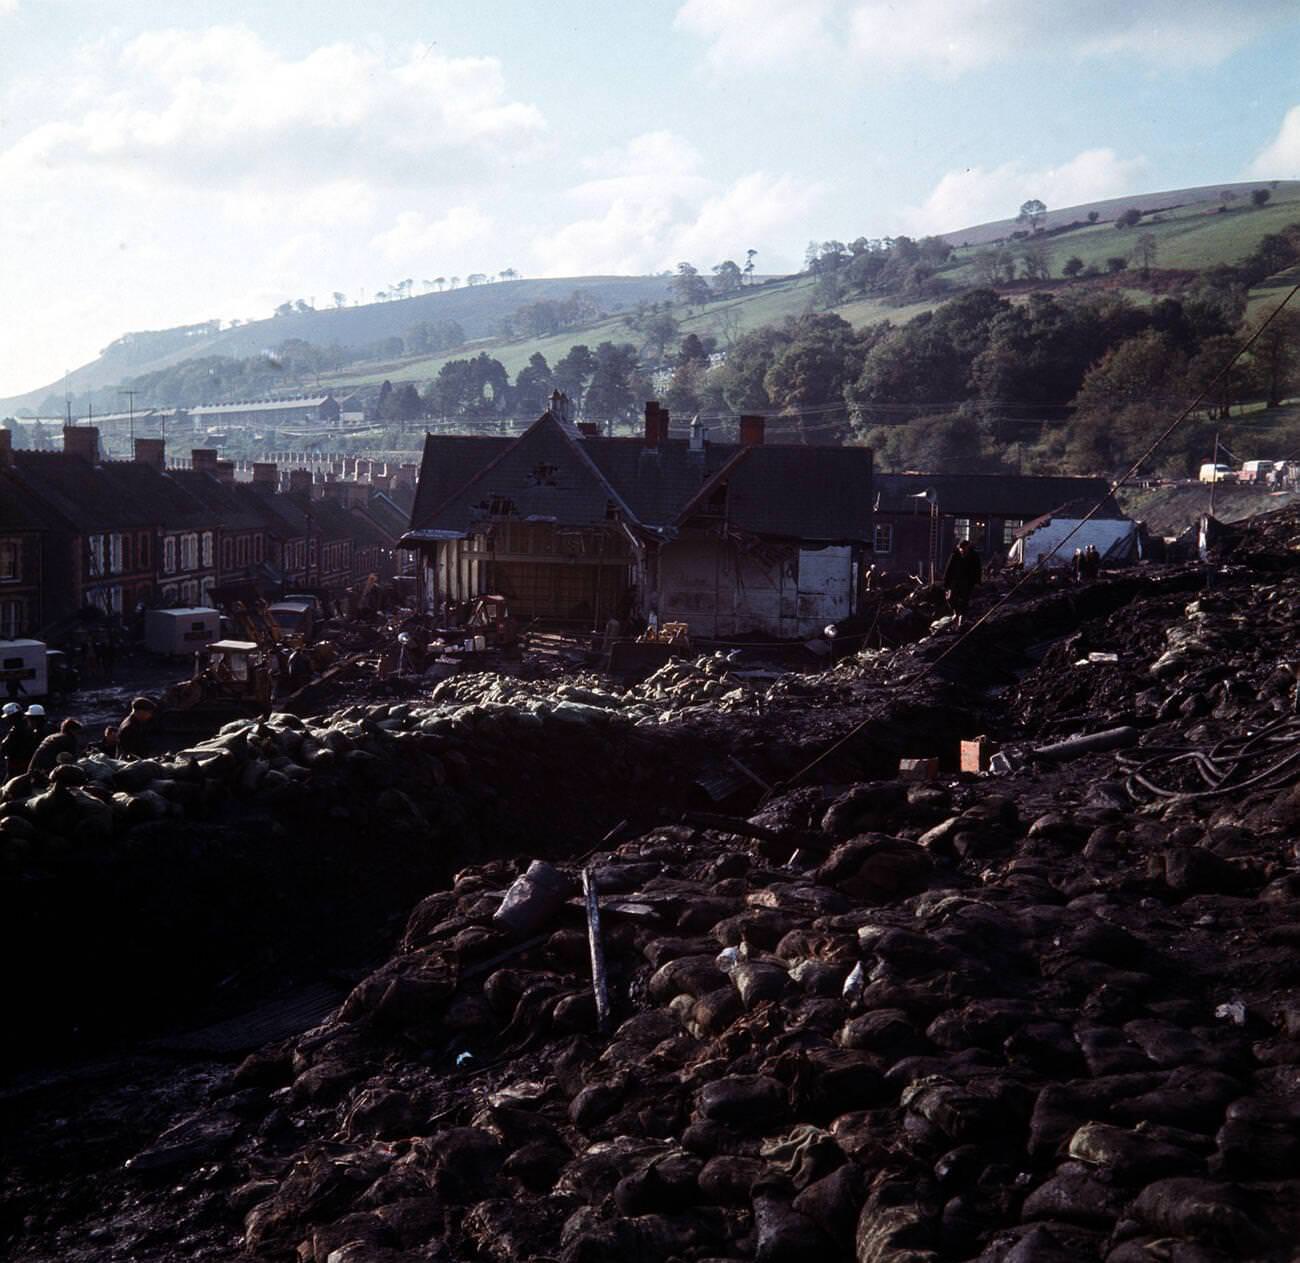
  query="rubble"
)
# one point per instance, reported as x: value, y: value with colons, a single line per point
x: 1044, y: 1015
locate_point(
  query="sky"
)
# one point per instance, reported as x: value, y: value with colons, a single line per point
x: 167, y: 164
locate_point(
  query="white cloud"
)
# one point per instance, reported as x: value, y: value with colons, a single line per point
x: 950, y: 37
x: 221, y: 106
x: 746, y: 34
x: 649, y: 206
x: 977, y: 194
x: 415, y: 235
x: 1280, y: 160
x: 7, y: 7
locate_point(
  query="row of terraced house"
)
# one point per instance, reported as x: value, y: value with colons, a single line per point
x: 80, y: 534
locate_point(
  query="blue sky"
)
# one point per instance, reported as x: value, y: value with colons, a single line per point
x: 166, y: 164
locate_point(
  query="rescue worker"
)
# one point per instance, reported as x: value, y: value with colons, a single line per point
x: 65, y: 741
x: 299, y: 669
x: 18, y: 746
x: 40, y: 725
x: 133, y: 733
x: 961, y: 577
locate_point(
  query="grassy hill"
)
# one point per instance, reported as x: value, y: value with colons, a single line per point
x: 1192, y: 231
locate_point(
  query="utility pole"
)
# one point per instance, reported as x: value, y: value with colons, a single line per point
x: 1214, y: 472
x: 130, y: 395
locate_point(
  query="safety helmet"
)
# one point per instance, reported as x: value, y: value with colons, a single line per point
x: 36, y: 709
x: 11, y: 708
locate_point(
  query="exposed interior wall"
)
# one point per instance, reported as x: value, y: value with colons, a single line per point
x: 721, y: 589
x: 1114, y: 540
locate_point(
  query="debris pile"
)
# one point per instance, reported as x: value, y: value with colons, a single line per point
x: 1035, y: 1016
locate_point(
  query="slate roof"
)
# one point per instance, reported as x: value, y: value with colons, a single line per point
x: 449, y: 462
x: 1022, y: 496
x: 821, y: 493
x: 281, y: 515
x: 229, y: 509
x: 114, y: 495
x: 21, y: 511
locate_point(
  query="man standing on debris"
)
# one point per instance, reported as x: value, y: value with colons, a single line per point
x: 961, y: 577
x: 133, y: 732
x: 18, y: 746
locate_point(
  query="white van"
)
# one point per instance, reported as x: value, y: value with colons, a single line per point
x: 23, y: 661
x: 1218, y: 473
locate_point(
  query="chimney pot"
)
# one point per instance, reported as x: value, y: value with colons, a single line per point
x: 204, y: 459
x: 300, y: 481
x: 225, y: 472
x: 266, y: 472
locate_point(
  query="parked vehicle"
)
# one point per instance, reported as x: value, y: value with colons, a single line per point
x: 23, y: 663
x: 1217, y: 473
x: 293, y: 622
x: 182, y: 631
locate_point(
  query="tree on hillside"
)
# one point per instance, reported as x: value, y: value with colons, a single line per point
x: 612, y: 394
x: 1146, y: 249
x: 573, y: 371
x: 455, y: 280
x: 750, y: 256
x: 508, y: 274
x: 340, y: 298
x: 1116, y: 263
x: 660, y: 329
x: 440, y: 281
x: 476, y: 278
x: 1276, y: 357
x: 1072, y: 266
x: 533, y: 386
x: 727, y: 278
x: 1036, y: 260
x: 690, y: 288
x: 1259, y: 197
x: 1093, y: 216
x: 1031, y: 214
x: 1127, y: 218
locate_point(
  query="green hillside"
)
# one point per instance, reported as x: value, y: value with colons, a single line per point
x: 1191, y: 230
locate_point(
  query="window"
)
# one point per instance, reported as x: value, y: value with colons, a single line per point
x: 126, y: 551
x: 13, y: 619
x: 142, y: 551
x: 189, y: 552
x: 227, y: 554
x: 1009, y: 528
x: 207, y: 548
x: 961, y: 528
x: 96, y: 546
x: 10, y: 561
x: 257, y: 548
x: 190, y: 592
x: 115, y: 554
x: 884, y: 541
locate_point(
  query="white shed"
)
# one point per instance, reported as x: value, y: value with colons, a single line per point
x: 1117, y: 539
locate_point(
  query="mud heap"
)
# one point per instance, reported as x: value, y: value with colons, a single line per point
x: 1030, y: 1018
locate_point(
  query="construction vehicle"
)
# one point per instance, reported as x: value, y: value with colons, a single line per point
x: 231, y: 680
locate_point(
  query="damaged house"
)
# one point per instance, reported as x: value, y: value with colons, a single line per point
x: 574, y: 528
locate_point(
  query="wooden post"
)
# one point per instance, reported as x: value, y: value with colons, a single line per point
x: 599, y: 985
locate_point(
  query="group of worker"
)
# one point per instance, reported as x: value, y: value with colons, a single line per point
x: 27, y: 745
x: 1086, y: 564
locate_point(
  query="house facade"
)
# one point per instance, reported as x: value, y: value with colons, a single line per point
x: 920, y: 517
x: 575, y: 528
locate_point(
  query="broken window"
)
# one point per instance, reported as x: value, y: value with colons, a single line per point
x: 961, y: 528
x: 1009, y: 528
x: 500, y: 506
x: 884, y: 540
x: 544, y: 475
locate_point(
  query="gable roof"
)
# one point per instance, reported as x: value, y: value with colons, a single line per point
x: 540, y: 476
x: 1022, y: 496
x: 230, y: 510
x: 821, y: 493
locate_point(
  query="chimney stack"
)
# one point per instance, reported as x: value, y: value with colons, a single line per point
x: 204, y: 459
x: 83, y: 441
x: 751, y: 431
x: 656, y: 424
x: 225, y: 472
x: 698, y: 433
x: 6, y: 448
x: 300, y: 481
x: 151, y: 452
x: 406, y: 475
x: 266, y: 474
